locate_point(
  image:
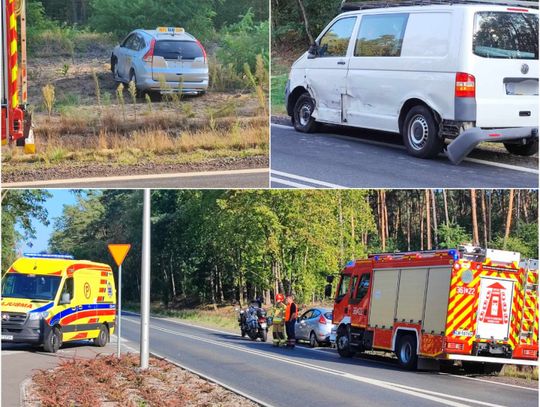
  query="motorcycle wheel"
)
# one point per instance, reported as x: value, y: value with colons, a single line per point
x: 264, y: 335
x: 243, y: 333
x: 253, y: 335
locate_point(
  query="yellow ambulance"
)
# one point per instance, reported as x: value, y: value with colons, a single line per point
x: 51, y: 299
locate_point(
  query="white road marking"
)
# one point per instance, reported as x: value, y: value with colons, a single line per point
x: 306, y: 179
x: 35, y: 184
x: 488, y: 381
x: 290, y: 183
x: 400, y: 147
x: 413, y: 391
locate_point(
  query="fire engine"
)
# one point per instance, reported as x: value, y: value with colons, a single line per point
x: 16, y: 118
x: 479, y: 306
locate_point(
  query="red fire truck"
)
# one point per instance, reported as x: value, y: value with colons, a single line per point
x: 470, y: 304
x: 16, y: 119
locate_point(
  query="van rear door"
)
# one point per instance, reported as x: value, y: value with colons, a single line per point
x: 505, y: 66
x: 178, y: 62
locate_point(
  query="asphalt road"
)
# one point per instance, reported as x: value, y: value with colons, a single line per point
x: 254, y: 178
x: 363, y: 159
x: 314, y: 377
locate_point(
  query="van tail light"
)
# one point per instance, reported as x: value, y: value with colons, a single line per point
x: 149, y: 56
x: 322, y: 320
x: 202, y: 49
x: 465, y: 85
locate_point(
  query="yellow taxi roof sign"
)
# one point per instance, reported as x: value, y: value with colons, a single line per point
x: 119, y: 252
x: 170, y: 30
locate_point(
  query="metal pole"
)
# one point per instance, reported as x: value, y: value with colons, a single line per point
x: 119, y: 328
x: 145, y: 281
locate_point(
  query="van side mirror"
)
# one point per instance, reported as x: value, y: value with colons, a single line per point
x: 328, y: 290
x: 330, y: 279
x: 66, y: 299
x: 313, y: 51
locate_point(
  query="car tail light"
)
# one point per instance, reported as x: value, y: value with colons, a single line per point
x: 322, y: 320
x: 465, y: 85
x: 202, y: 49
x: 149, y: 56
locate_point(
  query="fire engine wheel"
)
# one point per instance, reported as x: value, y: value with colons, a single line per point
x: 406, y: 352
x: 303, y: 120
x: 343, y: 344
x: 481, y: 368
x: 421, y: 133
x: 313, y: 342
x: 53, y: 340
x: 528, y: 149
x: 103, y: 337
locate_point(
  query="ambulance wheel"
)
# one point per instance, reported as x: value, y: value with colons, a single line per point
x: 313, y: 342
x: 103, y: 337
x: 406, y: 352
x: 53, y: 340
x: 528, y: 149
x: 303, y: 120
x: 420, y: 133
x: 343, y: 344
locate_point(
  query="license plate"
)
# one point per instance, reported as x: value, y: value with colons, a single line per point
x: 7, y: 337
x: 263, y: 325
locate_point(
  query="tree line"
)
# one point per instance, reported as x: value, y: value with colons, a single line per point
x: 219, y: 246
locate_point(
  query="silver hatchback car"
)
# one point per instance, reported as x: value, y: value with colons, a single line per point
x: 314, y: 326
x: 164, y: 60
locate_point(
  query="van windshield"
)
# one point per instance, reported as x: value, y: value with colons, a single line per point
x: 506, y: 35
x: 30, y: 286
x: 178, y: 49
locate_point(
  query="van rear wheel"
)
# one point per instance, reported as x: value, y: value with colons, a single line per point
x: 103, y: 337
x: 420, y: 133
x: 527, y: 149
x: 303, y: 120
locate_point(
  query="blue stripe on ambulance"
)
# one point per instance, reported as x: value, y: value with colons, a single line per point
x: 44, y: 308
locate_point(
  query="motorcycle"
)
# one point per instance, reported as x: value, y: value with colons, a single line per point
x: 253, y: 323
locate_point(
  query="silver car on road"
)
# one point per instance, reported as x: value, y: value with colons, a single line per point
x: 314, y: 326
x: 164, y: 60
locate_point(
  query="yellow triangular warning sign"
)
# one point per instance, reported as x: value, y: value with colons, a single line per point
x: 119, y: 252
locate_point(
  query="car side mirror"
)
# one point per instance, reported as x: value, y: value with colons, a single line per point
x: 66, y: 299
x: 328, y: 290
x: 313, y: 51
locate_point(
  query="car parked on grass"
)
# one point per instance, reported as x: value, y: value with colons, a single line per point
x: 432, y: 72
x: 166, y: 60
x: 314, y: 326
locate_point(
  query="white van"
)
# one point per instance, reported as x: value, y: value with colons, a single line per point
x: 460, y: 70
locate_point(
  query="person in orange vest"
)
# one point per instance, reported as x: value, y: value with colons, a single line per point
x: 278, y: 321
x: 291, y: 313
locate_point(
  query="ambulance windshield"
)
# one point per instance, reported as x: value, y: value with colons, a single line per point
x: 30, y: 286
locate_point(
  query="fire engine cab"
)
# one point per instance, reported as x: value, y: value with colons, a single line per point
x: 476, y: 305
x: 16, y: 119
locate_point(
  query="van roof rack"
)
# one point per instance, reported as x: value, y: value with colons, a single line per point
x: 372, y: 4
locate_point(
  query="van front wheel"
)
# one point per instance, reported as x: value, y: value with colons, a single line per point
x: 53, y: 340
x: 420, y: 133
x: 302, y: 115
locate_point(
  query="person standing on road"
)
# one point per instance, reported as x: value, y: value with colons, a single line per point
x: 278, y: 321
x: 291, y: 313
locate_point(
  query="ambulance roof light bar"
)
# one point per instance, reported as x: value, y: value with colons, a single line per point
x: 365, y: 5
x: 49, y: 256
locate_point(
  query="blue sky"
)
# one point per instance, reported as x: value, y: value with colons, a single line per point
x: 54, y: 206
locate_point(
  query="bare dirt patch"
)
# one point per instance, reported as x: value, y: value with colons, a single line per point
x: 108, y: 381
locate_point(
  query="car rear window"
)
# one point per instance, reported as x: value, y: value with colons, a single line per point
x: 328, y: 315
x: 177, y: 49
x: 506, y: 35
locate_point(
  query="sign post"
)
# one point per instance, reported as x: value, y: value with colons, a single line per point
x: 119, y: 253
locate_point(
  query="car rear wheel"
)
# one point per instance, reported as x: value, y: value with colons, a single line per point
x: 406, y: 352
x: 53, y: 340
x: 133, y: 78
x: 103, y: 337
x: 420, y: 133
x: 527, y: 149
x: 303, y: 120
x: 313, y: 342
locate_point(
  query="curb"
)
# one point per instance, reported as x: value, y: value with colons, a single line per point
x: 23, y: 396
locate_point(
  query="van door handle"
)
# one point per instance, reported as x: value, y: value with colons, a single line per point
x: 341, y: 63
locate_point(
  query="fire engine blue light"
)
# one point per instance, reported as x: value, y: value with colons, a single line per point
x: 454, y: 254
x: 350, y: 264
x: 48, y: 256
x: 376, y: 258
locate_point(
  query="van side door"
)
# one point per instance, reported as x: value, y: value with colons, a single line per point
x: 326, y: 72
x: 377, y: 79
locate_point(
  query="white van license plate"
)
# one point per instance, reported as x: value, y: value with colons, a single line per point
x: 7, y: 337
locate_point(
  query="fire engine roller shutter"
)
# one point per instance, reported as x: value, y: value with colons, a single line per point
x: 437, y: 299
x: 412, y: 291
x: 383, y: 298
